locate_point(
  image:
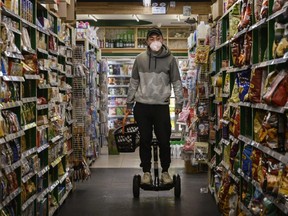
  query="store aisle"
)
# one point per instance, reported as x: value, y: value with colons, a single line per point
x: 126, y: 160
x: 109, y: 193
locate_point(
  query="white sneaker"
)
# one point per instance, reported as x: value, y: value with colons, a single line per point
x: 166, y: 178
x: 146, y: 178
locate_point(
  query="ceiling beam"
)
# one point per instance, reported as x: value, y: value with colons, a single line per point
x: 137, y: 8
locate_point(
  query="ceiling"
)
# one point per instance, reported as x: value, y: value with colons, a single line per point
x: 119, y: 13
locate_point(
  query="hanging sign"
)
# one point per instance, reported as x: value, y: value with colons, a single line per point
x: 186, y: 10
x: 159, y: 8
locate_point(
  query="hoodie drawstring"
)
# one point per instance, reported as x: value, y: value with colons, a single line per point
x: 150, y: 61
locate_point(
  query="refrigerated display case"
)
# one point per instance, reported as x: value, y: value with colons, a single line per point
x: 119, y: 74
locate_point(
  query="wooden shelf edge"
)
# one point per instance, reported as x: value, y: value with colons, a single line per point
x: 135, y: 50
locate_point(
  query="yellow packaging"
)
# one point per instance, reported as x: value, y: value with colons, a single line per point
x: 9, y: 4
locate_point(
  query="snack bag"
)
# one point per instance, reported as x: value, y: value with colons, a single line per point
x: 277, y: 93
x: 226, y: 88
x: 235, y: 93
x: 202, y: 54
x: 246, y: 160
x: 244, y: 83
x: 268, y: 134
x: 254, y: 92
x: 257, y: 9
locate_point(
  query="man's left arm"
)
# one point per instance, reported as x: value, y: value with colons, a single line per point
x: 177, y: 86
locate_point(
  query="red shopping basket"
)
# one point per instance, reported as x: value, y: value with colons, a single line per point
x: 127, y: 137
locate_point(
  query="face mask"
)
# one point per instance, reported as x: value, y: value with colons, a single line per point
x: 156, y: 46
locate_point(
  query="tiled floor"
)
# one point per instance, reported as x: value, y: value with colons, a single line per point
x: 126, y: 160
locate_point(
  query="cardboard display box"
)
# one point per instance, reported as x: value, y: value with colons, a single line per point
x: 217, y: 9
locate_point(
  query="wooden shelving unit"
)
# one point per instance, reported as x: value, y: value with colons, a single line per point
x: 174, y: 37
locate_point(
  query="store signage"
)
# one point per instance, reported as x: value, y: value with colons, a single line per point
x: 186, y: 10
x: 159, y: 10
x: 172, y: 4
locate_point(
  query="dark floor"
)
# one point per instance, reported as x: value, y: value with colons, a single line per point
x: 109, y: 193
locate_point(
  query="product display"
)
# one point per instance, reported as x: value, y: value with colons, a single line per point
x: 249, y: 140
x: 86, y: 102
x: 35, y: 97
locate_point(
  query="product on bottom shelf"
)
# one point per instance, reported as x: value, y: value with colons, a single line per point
x: 81, y: 171
x: 223, y: 196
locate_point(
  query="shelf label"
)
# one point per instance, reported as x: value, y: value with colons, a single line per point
x: 29, y: 152
x: 10, y: 197
x: 71, y: 151
x: 27, y: 177
x: 14, y: 135
x: 14, y: 166
x: 2, y: 141
x: 29, y: 126
x: 14, y: 78
x: 42, y: 148
x: 43, y: 194
x: 31, y: 77
x: 43, y: 127
x: 43, y: 171
x: 56, y: 162
x: 43, y: 106
x: 244, y: 139
x: 63, y: 178
x: 246, y: 104
x: 54, y: 186
x: 256, y: 25
x: 28, y: 202
x: 226, y: 142
x: 55, y: 139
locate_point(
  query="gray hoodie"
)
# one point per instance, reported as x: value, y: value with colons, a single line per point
x: 152, y: 77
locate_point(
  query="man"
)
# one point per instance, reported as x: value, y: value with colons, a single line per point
x: 154, y: 72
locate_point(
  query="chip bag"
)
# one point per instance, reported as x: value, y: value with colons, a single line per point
x: 254, y: 92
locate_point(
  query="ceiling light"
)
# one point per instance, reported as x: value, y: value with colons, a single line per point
x: 93, y: 17
x: 135, y: 17
x: 146, y: 3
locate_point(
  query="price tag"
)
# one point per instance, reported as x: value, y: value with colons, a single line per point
x: 286, y: 206
x: 268, y: 151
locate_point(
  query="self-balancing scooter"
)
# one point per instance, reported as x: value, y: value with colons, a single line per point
x: 156, y: 185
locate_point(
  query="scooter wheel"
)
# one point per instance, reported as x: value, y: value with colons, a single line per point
x: 136, y: 186
x: 177, y: 186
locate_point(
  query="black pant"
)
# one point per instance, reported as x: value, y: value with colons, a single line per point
x: 157, y: 117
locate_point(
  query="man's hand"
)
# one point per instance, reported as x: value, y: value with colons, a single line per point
x: 129, y: 111
x: 177, y: 111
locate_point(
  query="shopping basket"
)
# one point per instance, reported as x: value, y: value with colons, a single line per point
x: 127, y: 137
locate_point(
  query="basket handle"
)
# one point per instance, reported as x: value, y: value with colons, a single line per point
x: 124, y: 121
